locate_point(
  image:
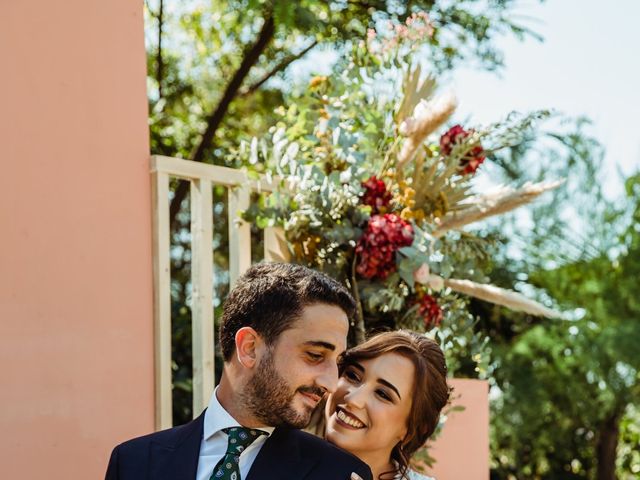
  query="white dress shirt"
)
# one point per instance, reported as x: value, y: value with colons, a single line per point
x: 214, y: 441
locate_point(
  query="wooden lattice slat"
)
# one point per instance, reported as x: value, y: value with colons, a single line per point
x: 239, y: 234
x: 202, y: 293
x: 161, y: 298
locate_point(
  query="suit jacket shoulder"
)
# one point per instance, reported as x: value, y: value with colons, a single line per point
x: 295, y: 455
x: 170, y: 454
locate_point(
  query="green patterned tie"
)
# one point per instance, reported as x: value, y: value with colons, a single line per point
x: 228, y: 467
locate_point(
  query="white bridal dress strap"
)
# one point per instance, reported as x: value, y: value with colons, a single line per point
x: 412, y: 475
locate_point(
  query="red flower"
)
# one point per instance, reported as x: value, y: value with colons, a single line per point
x: 430, y: 311
x: 376, y: 195
x: 472, y: 159
x: 376, y: 249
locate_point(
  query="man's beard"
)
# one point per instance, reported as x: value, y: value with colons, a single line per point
x: 270, y: 398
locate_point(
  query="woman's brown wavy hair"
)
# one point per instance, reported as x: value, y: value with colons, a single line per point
x: 430, y: 389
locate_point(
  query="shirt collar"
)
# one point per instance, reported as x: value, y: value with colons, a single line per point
x: 216, y: 418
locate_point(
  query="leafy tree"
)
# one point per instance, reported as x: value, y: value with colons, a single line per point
x: 568, y: 391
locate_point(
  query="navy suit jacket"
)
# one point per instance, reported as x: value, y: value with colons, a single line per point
x: 288, y: 454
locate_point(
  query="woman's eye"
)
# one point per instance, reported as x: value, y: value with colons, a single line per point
x: 384, y: 395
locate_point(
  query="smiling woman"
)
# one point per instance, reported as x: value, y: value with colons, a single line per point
x: 388, y: 401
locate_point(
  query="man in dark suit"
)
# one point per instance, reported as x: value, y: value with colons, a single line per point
x: 282, y: 330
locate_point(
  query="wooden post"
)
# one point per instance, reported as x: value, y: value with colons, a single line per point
x: 202, y: 293
x: 239, y: 233
x: 161, y: 298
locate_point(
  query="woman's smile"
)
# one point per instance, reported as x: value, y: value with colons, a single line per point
x: 348, y: 420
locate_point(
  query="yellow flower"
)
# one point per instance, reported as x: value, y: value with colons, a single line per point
x: 440, y: 206
x: 409, y: 214
x: 316, y: 81
x: 406, y: 214
x: 406, y: 196
x: 306, y: 248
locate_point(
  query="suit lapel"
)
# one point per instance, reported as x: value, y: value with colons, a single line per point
x: 280, y: 458
x: 176, y: 456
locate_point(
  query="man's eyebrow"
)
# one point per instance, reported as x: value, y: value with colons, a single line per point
x: 321, y: 344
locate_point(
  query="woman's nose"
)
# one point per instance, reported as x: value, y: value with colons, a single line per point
x: 356, y: 396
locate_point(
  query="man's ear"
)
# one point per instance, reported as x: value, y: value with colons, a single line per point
x: 248, y: 345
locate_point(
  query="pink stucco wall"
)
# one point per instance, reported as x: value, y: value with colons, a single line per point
x: 462, y: 450
x: 76, y: 345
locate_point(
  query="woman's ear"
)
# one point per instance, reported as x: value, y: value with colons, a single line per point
x: 248, y: 342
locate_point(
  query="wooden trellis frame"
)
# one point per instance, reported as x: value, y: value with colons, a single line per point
x: 202, y: 178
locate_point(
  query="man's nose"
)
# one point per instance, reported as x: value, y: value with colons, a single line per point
x: 329, y: 377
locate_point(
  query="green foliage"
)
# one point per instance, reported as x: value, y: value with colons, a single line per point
x: 563, y: 388
x: 628, y: 462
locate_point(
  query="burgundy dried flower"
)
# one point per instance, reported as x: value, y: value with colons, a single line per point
x: 376, y: 195
x: 430, y: 311
x: 376, y: 248
x: 472, y: 159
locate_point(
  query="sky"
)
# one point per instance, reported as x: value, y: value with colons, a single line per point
x: 588, y: 64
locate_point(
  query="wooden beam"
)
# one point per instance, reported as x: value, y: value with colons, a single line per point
x: 229, y: 177
x: 239, y: 233
x: 161, y: 299
x: 202, y: 293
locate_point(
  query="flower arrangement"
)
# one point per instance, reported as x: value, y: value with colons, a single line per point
x: 377, y: 191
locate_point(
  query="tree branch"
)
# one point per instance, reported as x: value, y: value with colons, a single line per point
x: 159, y: 60
x: 607, y: 445
x: 278, y: 68
x: 359, y: 327
x: 366, y: 5
x: 215, y: 119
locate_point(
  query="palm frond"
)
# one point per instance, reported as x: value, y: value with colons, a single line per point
x: 500, y: 296
x: 501, y: 200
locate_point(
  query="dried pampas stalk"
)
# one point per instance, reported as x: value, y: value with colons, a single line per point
x: 415, y: 88
x: 275, y: 245
x: 500, y: 296
x: 501, y: 200
x: 427, y: 116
